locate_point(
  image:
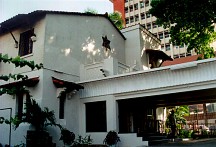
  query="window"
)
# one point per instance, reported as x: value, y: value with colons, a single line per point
x: 131, y: 19
x: 142, y: 15
x: 154, y: 24
x: 148, y: 26
x: 21, y: 99
x: 62, y: 105
x: 148, y: 15
x: 160, y: 35
x: 136, y: 17
x: 96, y: 117
x: 127, y: 20
x: 126, y: 1
x: 141, y: 4
x: 162, y: 47
x: 166, y: 34
x: 26, y: 44
x: 131, y: 8
x: 136, y: 6
x: 147, y: 3
x: 126, y: 9
x: 167, y: 47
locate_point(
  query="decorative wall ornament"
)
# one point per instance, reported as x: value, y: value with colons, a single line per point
x: 106, y: 43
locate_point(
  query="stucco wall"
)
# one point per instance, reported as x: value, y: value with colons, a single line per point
x: 72, y: 39
x: 7, y: 47
x: 138, y: 40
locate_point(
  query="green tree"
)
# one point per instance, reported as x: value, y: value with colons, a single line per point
x: 116, y: 17
x: 189, y: 21
x: 179, y: 112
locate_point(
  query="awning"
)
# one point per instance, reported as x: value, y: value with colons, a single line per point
x: 31, y: 82
x: 61, y: 83
x: 157, y: 54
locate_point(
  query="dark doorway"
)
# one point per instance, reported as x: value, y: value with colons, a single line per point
x: 136, y: 117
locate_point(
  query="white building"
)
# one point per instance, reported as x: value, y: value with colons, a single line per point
x: 71, y: 48
x: 120, y: 92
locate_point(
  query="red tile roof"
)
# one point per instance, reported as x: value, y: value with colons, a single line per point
x: 181, y: 60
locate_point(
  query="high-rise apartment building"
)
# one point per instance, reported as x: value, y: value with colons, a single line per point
x: 136, y: 11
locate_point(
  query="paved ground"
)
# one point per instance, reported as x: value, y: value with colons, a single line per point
x: 210, y: 142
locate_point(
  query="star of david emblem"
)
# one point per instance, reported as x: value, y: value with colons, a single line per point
x: 106, y: 43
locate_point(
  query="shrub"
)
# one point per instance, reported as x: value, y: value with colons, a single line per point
x: 112, y: 138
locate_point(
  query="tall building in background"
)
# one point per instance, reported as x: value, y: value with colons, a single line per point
x: 137, y: 11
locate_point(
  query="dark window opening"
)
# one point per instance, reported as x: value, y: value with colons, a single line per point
x: 96, y: 117
x: 131, y: 19
x: 148, y: 26
x: 148, y: 15
x: 136, y: 17
x: 141, y: 4
x: 126, y: 9
x: 167, y: 47
x: 166, y: 34
x: 26, y: 44
x: 62, y: 106
x: 131, y: 8
x: 147, y: 3
x: 162, y: 47
x: 136, y: 6
x: 160, y: 35
x: 127, y: 20
x: 22, y: 99
x: 154, y: 24
x: 142, y: 15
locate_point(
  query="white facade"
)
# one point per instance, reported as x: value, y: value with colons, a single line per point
x: 70, y: 47
x: 68, y: 44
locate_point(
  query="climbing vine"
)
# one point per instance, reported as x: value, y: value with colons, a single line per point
x: 34, y: 114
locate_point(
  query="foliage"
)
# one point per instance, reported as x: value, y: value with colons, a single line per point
x: 179, y: 112
x: 112, y: 138
x: 82, y: 141
x: 35, y: 116
x: 90, y: 11
x: 190, y: 22
x: 116, y: 18
x: 184, y: 133
x: 19, y: 62
x: 67, y: 137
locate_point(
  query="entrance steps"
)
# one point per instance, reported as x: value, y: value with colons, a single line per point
x: 153, y: 138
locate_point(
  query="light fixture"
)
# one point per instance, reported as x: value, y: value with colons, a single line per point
x: 33, y: 37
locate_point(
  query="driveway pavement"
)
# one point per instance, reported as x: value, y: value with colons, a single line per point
x: 209, y: 142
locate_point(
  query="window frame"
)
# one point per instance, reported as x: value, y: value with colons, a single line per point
x: 25, y: 43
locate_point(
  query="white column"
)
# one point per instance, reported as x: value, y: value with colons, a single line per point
x: 111, y: 106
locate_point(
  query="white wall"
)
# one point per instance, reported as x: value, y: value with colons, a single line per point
x: 72, y: 40
x: 138, y: 40
x: 7, y: 47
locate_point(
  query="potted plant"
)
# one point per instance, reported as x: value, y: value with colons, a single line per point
x: 112, y: 138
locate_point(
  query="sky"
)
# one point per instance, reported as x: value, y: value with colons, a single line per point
x: 10, y: 8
